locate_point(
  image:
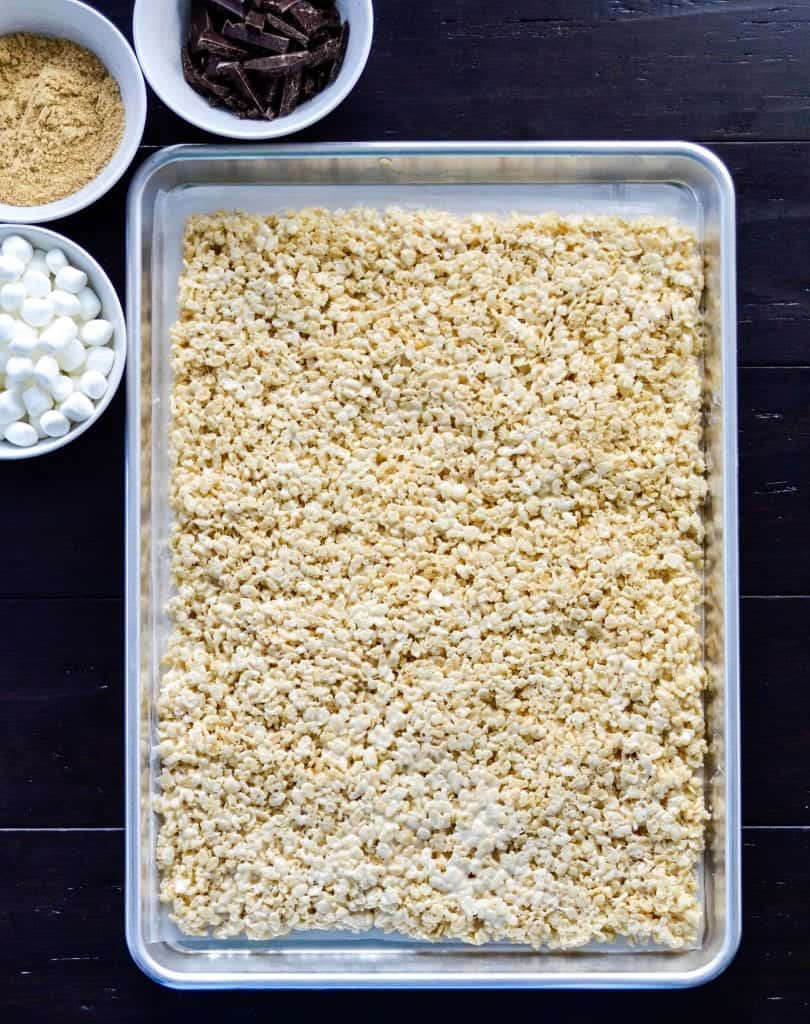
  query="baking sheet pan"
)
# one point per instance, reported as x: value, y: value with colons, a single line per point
x: 674, y: 180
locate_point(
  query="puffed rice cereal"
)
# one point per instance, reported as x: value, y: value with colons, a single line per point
x: 435, y: 665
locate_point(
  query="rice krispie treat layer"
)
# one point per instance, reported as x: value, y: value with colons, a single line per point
x: 436, y: 664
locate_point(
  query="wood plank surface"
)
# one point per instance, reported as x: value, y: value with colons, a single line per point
x: 774, y: 480
x: 731, y: 73
x: 775, y: 649
x: 773, y: 222
x: 61, y: 713
x: 66, y: 516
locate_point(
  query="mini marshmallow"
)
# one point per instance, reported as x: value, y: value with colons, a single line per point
x: 62, y: 387
x: 93, y: 384
x: 16, y: 245
x: 36, y: 400
x: 21, y: 434
x: 54, y: 423
x: 19, y: 370
x: 58, y: 336
x: 7, y: 326
x: 25, y: 340
x: 11, y: 269
x: 72, y: 356
x: 5, y: 355
x: 91, y: 306
x: 46, y: 371
x: 56, y: 260
x: 37, y: 312
x: 100, y: 359
x: 38, y: 262
x: 12, y: 296
x: 77, y: 407
x: 11, y: 407
x: 69, y: 279
x: 97, y: 332
x: 36, y: 284
x: 64, y: 303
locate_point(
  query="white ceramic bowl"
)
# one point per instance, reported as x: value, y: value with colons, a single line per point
x: 43, y: 238
x: 69, y: 19
x: 159, y: 28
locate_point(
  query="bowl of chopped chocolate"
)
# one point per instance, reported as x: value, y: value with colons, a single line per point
x: 253, y: 69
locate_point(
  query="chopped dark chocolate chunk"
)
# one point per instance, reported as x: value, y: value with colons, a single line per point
x: 305, y: 16
x: 343, y: 45
x: 279, y: 65
x: 213, y: 67
x: 188, y: 65
x: 219, y: 46
x: 273, y: 91
x: 326, y: 52
x: 330, y: 73
x: 238, y: 75
x: 261, y: 59
x: 200, y: 83
x: 309, y: 86
x: 236, y: 7
x: 259, y: 40
x: 255, y: 19
x: 329, y: 23
x: 285, y: 29
x: 320, y: 35
x: 200, y: 24
x: 290, y: 97
x: 321, y: 75
x: 278, y: 6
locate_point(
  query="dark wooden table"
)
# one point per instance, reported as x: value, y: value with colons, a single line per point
x: 734, y: 75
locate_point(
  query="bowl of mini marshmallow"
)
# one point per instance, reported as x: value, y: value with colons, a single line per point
x: 62, y: 341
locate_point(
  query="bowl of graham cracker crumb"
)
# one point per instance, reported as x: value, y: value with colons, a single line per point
x: 72, y: 108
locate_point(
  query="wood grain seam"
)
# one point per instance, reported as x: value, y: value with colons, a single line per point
x: 89, y: 828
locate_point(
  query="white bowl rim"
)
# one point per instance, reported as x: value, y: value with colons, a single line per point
x: 256, y: 131
x: 109, y: 175
x: 44, y: 446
